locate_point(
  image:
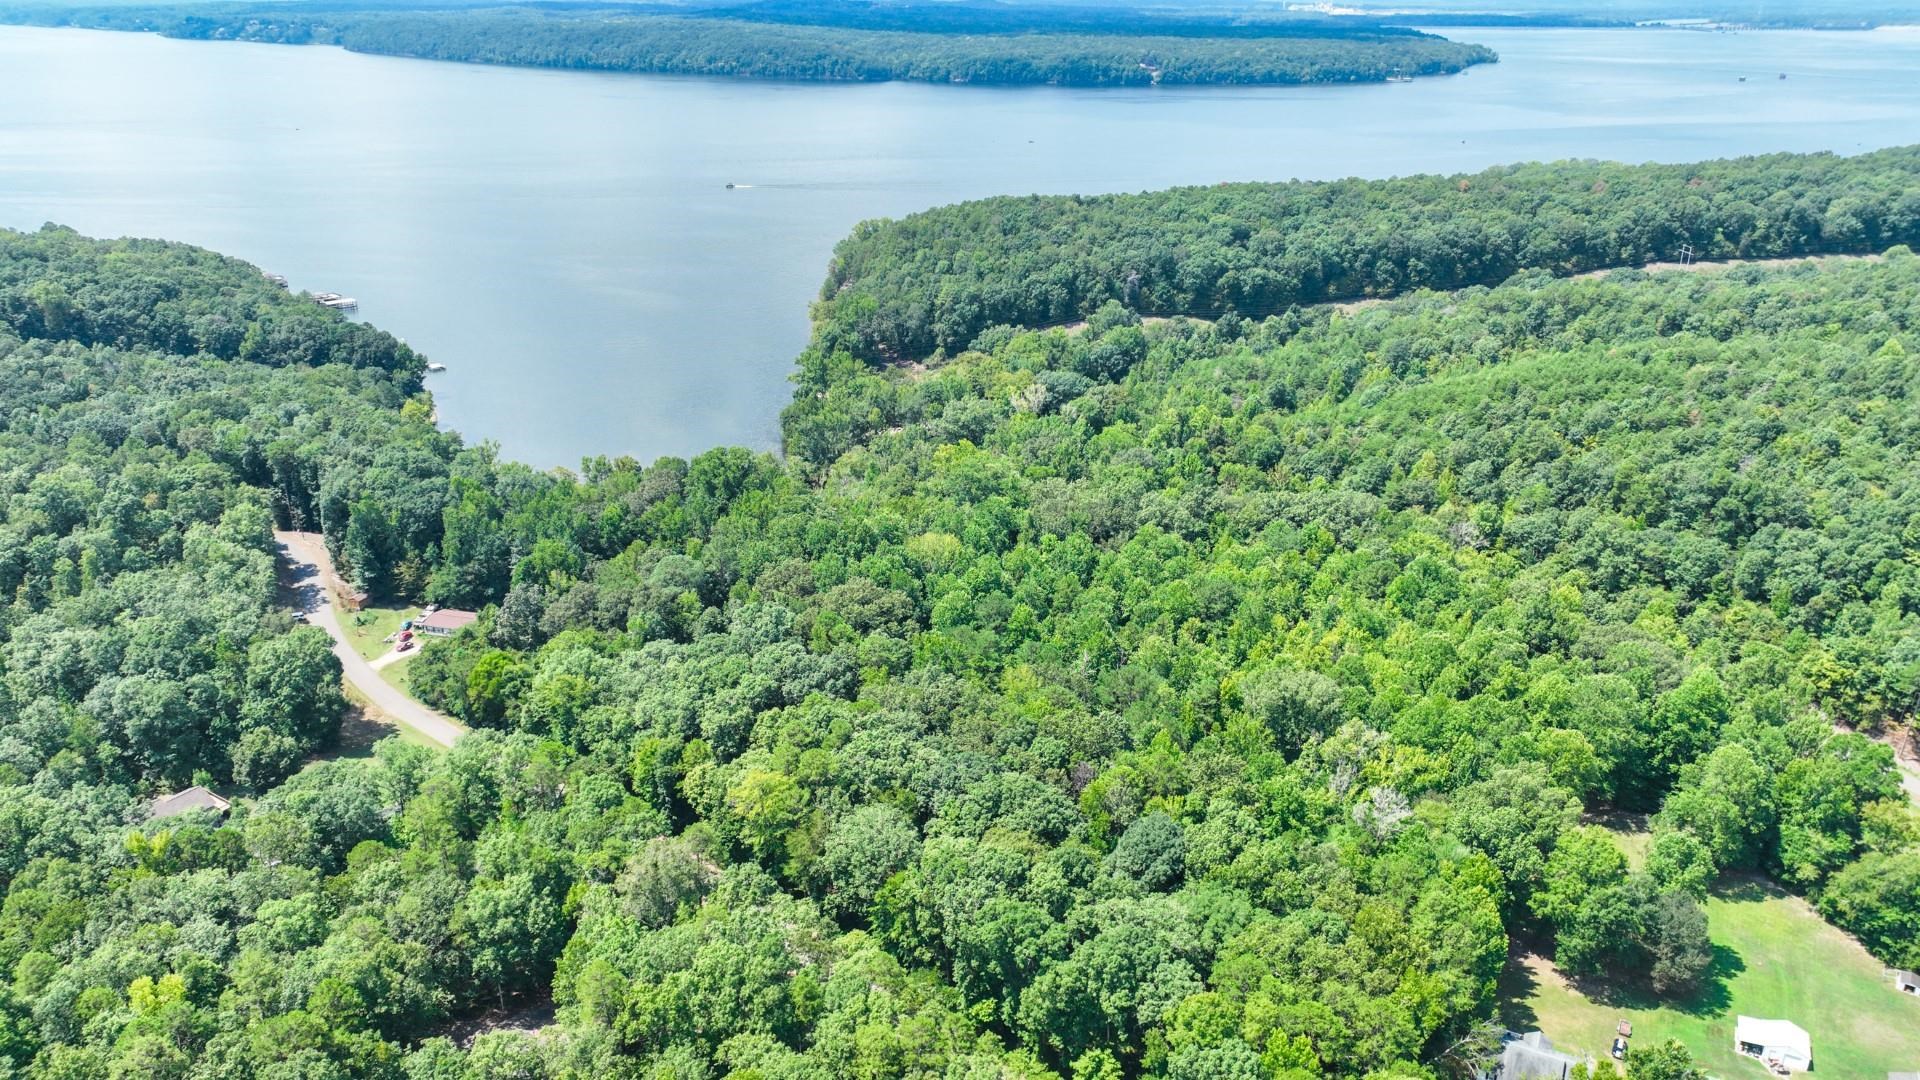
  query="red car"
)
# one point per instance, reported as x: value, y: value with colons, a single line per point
x: 403, y: 646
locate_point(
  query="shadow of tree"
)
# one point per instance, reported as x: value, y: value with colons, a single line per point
x: 1624, y: 821
x: 1517, y: 987
x: 1712, y: 997
x: 1747, y: 889
x: 300, y: 588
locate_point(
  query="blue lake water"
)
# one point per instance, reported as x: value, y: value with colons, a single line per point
x: 566, y: 244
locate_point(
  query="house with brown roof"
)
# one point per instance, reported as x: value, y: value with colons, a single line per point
x: 444, y: 621
x: 194, y: 798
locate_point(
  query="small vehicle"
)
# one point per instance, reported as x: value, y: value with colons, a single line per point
x: 406, y: 624
x: 1619, y: 1048
x: 298, y: 616
x: 403, y: 646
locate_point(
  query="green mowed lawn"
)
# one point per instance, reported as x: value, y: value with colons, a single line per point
x: 395, y: 674
x: 1774, y: 957
x: 368, y: 627
x: 1630, y: 834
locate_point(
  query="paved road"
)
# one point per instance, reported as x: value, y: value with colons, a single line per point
x: 311, y: 569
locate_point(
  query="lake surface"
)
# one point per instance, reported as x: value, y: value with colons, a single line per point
x: 565, y: 242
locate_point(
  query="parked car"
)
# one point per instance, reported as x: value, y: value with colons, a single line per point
x: 406, y: 635
x: 1619, y: 1048
x: 299, y: 616
x: 403, y: 646
x: 406, y: 624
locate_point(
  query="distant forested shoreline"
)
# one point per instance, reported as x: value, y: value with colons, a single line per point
x: 1065, y: 53
x: 937, y: 279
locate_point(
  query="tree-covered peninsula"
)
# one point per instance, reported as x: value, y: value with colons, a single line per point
x: 1170, y: 697
x: 934, y: 280
x: 995, y: 50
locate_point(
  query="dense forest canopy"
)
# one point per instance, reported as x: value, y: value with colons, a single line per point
x: 936, y: 279
x: 992, y: 17
x: 174, y: 299
x: 1694, y: 14
x: 1160, y: 698
x: 1074, y: 53
x: 1202, y: 18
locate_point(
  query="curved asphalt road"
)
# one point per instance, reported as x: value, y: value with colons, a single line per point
x: 310, y: 569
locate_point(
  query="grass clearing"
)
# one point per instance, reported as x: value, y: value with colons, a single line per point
x: 1631, y: 833
x: 1774, y: 957
x: 366, y: 724
x: 368, y: 628
x: 395, y: 674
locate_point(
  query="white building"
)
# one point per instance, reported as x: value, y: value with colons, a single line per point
x: 1780, y: 1042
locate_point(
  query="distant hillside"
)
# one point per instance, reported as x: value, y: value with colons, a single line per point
x: 859, y: 48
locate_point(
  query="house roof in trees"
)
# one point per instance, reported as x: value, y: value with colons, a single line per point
x: 446, y: 621
x: 194, y: 798
x: 1532, y: 1056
